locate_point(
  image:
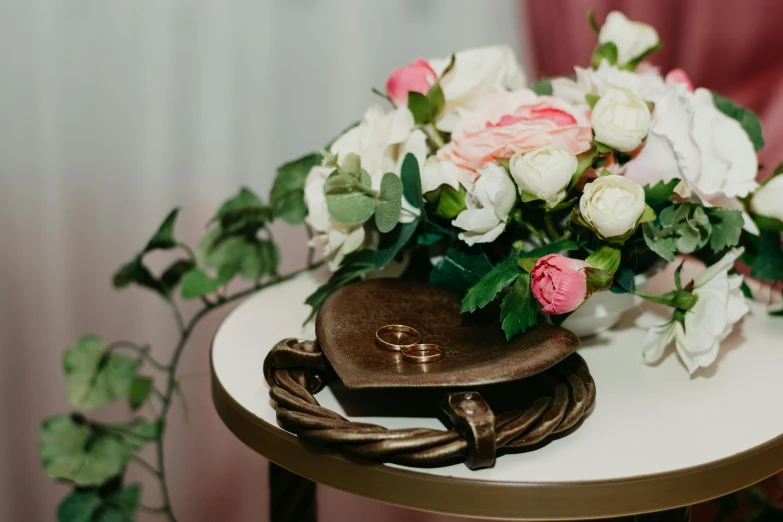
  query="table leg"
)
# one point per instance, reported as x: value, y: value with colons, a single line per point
x: 291, y: 497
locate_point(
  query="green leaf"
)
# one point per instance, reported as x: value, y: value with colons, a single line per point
x: 390, y: 204
x: 95, y: 377
x: 352, y: 268
x: 135, y: 434
x: 624, y: 281
x: 527, y: 263
x: 419, y: 106
x: 244, y: 200
x: 91, y: 505
x: 527, y: 197
x: 353, y: 208
x: 746, y: 118
x: 287, y: 196
x: 164, y: 237
x: 352, y: 163
x: 598, y: 280
x: 543, y: 87
x: 489, y: 286
x: 726, y: 227
x: 660, y: 192
x: 591, y: 21
x: 663, y: 245
x: 769, y: 260
x: 135, y: 272
x: 392, y: 243
x: 411, y: 181
x: 585, y: 160
x: 197, y: 283
x: 592, y: 99
x: 262, y: 258
x: 631, y: 64
x: 648, y: 214
x: 460, y: 269
x: 172, y: 276
x: 519, y: 310
x: 70, y: 450
x: 450, y: 66
x: 555, y: 247
x: 504, y: 162
x: 767, y: 223
x: 606, y: 257
x: 436, y: 100
x: 140, y: 390
x: 605, y: 51
x: 448, y: 202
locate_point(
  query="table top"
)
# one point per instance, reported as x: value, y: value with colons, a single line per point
x: 656, y: 440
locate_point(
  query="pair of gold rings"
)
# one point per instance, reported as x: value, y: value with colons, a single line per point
x: 405, y: 339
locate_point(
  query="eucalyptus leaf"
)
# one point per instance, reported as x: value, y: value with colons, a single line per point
x: 95, y: 377
x: 352, y: 208
x: 390, y: 203
x: 287, y: 195
x: 70, y: 450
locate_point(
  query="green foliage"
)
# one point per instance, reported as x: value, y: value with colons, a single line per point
x: 598, y: 280
x: 135, y: 434
x: 392, y: 243
x: 769, y: 259
x: 72, y: 450
x: 460, y: 269
x: 634, y: 62
x: 726, y: 227
x: 448, y: 202
x: 197, y: 283
x: 96, y: 505
x: 287, y: 196
x: 767, y: 223
x: 555, y: 247
x: 661, y: 192
x: 349, y: 198
x: 94, y: 376
x: 390, y: 203
x: 164, y: 236
x: 624, y: 281
x: 585, y: 160
x: 605, y: 51
x: 139, y: 392
x: 747, y: 119
x: 352, y: 268
x: 491, y: 284
x: 519, y: 309
x: 426, y: 107
x: 606, y: 257
x: 591, y: 99
x: 411, y: 181
x: 436, y: 100
x: 543, y: 87
x: 591, y: 21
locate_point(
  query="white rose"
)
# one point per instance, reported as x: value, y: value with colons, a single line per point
x: 476, y: 73
x: 336, y: 239
x: 612, y: 205
x: 692, y: 140
x: 719, y: 306
x: 633, y: 39
x: 620, y: 119
x: 768, y: 200
x: 437, y: 172
x: 544, y: 172
x: 649, y: 84
x: 488, y: 206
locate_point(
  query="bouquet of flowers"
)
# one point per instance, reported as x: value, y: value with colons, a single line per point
x: 530, y: 199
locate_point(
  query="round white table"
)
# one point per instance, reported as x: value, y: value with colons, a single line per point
x: 657, y: 439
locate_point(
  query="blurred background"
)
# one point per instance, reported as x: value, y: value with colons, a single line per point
x: 114, y: 111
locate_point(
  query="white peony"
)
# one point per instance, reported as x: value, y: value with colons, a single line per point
x: 488, y: 206
x: 333, y: 237
x: 720, y: 304
x: 620, y: 119
x: 436, y: 172
x: 544, y: 172
x: 692, y: 140
x: 633, y: 39
x: 768, y: 200
x: 647, y: 83
x: 476, y: 73
x: 612, y: 205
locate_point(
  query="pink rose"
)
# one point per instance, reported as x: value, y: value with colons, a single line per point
x: 679, y: 76
x: 416, y: 77
x: 507, y: 122
x: 559, y: 283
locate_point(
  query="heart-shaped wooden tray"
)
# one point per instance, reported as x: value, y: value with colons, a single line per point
x: 473, y: 354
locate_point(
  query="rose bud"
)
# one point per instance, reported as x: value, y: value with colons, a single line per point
x: 416, y: 77
x: 559, y: 283
x: 612, y: 205
x: 620, y: 119
x: 544, y: 172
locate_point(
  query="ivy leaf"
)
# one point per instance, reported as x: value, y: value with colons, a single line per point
x: 747, y: 119
x: 164, y: 237
x: 488, y: 287
x: 419, y: 106
x: 390, y: 204
x: 726, y: 227
x: 411, y: 181
x: 95, y: 377
x: 543, y: 87
x: 460, y: 269
x: 393, y: 242
x: 91, y: 505
x: 71, y: 450
x: 352, y: 268
x: 287, y: 195
x: 769, y: 260
x: 197, y: 283
x: 661, y: 192
x: 140, y: 389
x: 519, y: 310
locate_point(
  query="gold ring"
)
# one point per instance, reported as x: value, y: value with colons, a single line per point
x: 422, y: 353
x: 396, y: 337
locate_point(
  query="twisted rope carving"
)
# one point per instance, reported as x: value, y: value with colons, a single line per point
x: 295, y: 369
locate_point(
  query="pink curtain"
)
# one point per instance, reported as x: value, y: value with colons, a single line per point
x: 732, y: 47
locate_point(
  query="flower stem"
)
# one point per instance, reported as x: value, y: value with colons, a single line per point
x: 550, y: 227
x: 433, y: 134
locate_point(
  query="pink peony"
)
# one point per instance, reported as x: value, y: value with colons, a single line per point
x: 507, y: 122
x: 559, y: 283
x: 416, y: 77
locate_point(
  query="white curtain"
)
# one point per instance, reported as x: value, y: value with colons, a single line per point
x: 114, y: 111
